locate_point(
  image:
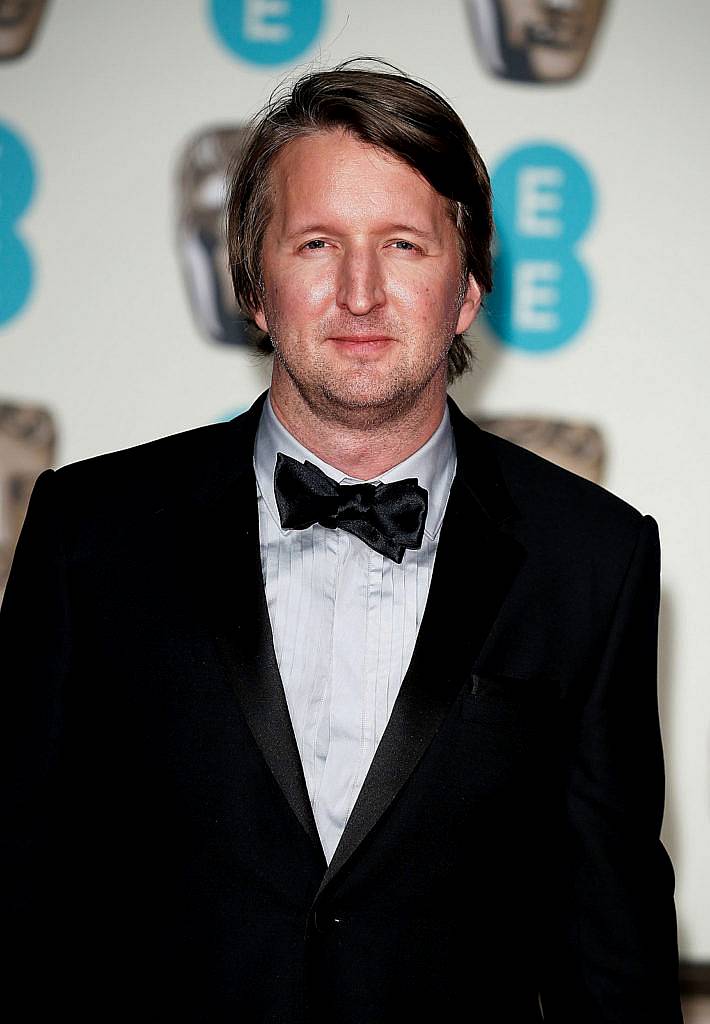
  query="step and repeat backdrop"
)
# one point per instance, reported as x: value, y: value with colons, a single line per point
x: 117, y: 323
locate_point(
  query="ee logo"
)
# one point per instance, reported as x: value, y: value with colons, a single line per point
x: 17, y: 184
x: 543, y: 205
x: 267, y: 31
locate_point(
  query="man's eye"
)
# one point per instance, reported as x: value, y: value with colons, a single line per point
x: 404, y: 245
x: 315, y: 243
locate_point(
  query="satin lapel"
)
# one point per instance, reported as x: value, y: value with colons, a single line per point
x: 475, y: 566
x: 233, y: 589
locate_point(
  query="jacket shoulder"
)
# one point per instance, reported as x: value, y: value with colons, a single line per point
x: 144, y: 460
x: 561, y: 509
x: 115, y: 491
x: 526, y: 471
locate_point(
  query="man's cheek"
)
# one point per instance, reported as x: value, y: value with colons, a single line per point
x: 315, y: 291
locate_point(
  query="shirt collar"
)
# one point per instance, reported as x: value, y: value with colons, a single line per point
x: 433, y: 465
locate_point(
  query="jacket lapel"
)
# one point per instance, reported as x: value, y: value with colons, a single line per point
x: 475, y: 566
x: 234, y: 600
x: 474, y: 551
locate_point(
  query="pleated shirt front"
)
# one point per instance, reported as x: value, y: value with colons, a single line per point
x: 344, y: 620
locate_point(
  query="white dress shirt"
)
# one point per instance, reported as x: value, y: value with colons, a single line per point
x: 344, y: 619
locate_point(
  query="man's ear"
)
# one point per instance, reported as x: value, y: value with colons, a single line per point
x: 260, y: 320
x: 470, y: 306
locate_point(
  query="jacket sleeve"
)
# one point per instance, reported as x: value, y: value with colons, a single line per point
x: 613, y: 955
x: 34, y: 657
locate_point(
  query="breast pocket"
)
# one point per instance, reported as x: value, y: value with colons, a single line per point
x: 511, y: 700
x: 507, y: 734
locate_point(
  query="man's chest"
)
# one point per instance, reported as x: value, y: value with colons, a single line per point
x: 344, y: 621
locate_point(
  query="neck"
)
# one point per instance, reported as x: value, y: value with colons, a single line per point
x: 362, y: 447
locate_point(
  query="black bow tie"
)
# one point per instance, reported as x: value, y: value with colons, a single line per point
x: 388, y: 517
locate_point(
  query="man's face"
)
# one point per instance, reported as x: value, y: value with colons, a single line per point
x: 362, y: 281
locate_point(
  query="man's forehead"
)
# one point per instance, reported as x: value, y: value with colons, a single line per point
x: 335, y: 172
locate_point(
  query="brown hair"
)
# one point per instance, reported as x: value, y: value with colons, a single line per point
x: 385, y: 109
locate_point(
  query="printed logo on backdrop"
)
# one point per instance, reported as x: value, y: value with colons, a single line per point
x: 543, y: 206
x: 535, y: 40
x: 19, y: 20
x: 27, y: 445
x: 202, y: 240
x: 17, y: 185
x: 571, y: 444
x: 267, y: 31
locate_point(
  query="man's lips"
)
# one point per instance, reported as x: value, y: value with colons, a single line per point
x: 361, y: 346
x: 360, y: 339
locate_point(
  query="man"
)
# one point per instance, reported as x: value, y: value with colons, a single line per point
x: 343, y: 711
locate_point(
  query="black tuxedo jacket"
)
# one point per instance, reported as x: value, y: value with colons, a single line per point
x: 161, y: 860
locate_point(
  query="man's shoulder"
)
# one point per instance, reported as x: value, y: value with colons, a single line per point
x: 190, y: 467
x: 159, y: 455
x: 530, y: 475
x: 559, y: 508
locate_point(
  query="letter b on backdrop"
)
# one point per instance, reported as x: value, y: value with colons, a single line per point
x: 543, y: 203
x: 17, y: 184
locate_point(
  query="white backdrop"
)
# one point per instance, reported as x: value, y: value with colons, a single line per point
x: 106, y: 99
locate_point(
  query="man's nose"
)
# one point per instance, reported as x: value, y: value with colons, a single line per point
x: 361, y: 286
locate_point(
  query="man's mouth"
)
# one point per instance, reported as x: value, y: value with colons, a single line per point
x: 361, y: 340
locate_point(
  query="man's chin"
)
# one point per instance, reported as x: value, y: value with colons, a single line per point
x: 365, y: 407
x: 360, y: 396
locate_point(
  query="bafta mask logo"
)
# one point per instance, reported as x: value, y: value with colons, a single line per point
x: 19, y: 20
x: 578, y: 447
x: 27, y: 444
x: 535, y: 40
x: 202, y: 240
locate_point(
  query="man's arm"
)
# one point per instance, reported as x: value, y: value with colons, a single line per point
x: 613, y: 956
x: 34, y: 657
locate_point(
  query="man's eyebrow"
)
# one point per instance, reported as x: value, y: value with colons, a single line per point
x: 387, y: 229
x: 410, y: 229
x: 310, y: 229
